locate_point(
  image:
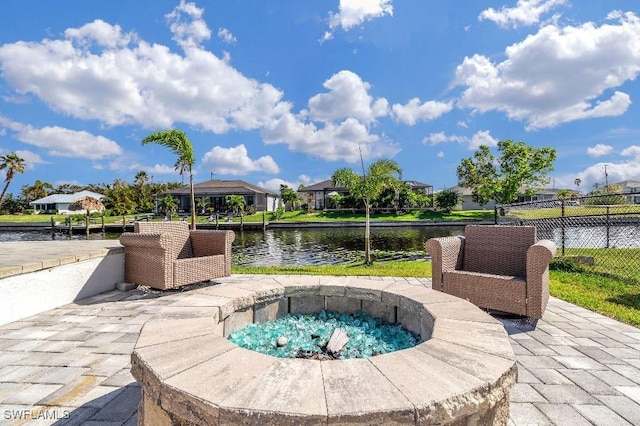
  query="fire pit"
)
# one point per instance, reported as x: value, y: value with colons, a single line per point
x: 191, y: 373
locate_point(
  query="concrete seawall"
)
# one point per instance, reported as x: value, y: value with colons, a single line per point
x: 36, y: 276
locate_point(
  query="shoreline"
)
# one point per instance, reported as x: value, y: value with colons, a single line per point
x: 117, y: 228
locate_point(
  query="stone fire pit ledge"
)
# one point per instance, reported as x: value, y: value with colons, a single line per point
x: 191, y: 373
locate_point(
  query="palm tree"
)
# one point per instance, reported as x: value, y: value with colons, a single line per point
x: 577, y: 181
x: 202, y: 203
x: 169, y: 205
x: 236, y: 202
x: 179, y: 144
x: 13, y: 164
x: 39, y: 189
x: 381, y: 175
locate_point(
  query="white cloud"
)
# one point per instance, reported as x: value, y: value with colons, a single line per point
x: 100, y: 32
x: 482, y: 137
x: 440, y: 154
x: 526, y: 12
x: 186, y: 23
x: 235, y: 161
x: 274, y: 184
x: 138, y: 82
x: 31, y: 159
x: 62, y: 142
x: 353, y: 13
x: 632, y: 151
x: 543, y: 81
x: 599, y: 150
x: 226, y: 36
x: 342, y: 141
x: 414, y: 111
x: 348, y: 97
x: 616, y: 172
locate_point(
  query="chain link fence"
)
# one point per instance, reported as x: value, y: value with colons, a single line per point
x: 600, y: 233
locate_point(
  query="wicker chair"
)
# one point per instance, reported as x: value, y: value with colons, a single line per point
x: 166, y: 255
x: 500, y: 268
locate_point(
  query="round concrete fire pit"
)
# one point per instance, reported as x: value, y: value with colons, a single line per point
x: 191, y: 374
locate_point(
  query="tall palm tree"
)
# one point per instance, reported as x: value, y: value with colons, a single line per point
x: 179, y: 144
x: 13, y: 164
x: 380, y: 175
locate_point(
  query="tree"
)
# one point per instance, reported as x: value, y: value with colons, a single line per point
x: 168, y: 205
x: 179, y: 144
x: 202, y: 203
x: 142, y: 192
x: 501, y: 179
x: 13, y: 164
x: 380, y: 175
x: 607, y: 196
x: 119, y: 199
x: 447, y: 200
x: 236, y: 203
x: 289, y: 196
x: 577, y: 182
x: 564, y: 194
x: 38, y: 190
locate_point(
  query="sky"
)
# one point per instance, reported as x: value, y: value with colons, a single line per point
x: 288, y: 91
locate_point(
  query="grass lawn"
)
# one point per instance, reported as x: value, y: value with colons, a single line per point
x: 612, y: 297
x: 332, y: 216
x: 295, y: 216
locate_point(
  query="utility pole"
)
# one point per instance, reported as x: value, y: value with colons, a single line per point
x: 606, y: 179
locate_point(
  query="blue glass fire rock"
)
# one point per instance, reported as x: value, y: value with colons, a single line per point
x: 307, y: 335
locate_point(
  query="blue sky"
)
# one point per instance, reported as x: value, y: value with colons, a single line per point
x: 288, y: 91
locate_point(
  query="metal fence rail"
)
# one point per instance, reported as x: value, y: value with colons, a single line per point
x: 601, y: 232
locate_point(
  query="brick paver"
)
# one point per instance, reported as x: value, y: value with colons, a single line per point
x: 71, y: 365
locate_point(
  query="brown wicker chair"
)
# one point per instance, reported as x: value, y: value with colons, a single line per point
x: 501, y: 268
x: 166, y: 255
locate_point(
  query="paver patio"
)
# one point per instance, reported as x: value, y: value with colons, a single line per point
x: 70, y: 365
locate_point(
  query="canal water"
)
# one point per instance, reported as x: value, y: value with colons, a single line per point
x: 304, y: 246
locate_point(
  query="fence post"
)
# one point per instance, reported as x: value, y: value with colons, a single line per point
x: 607, y: 224
x: 495, y: 214
x: 562, y: 224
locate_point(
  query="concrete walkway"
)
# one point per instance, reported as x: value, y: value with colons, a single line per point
x: 70, y: 365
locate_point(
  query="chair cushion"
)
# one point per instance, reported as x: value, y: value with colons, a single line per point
x: 498, y: 292
x: 500, y: 250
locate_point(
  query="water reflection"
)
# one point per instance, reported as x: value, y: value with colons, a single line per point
x: 303, y: 246
x: 333, y: 245
x: 595, y: 237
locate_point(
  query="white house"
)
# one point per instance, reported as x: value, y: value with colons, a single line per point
x: 59, y: 203
x: 633, y: 188
x: 468, y: 203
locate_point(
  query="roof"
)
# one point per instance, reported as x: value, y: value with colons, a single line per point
x: 325, y: 185
x: 416, y: 184
x: 67, y: 198
x: 467, y: 191
x: 628, y: 184
x: 222, y: 187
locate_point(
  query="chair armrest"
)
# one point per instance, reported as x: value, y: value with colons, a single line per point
x: 211, y: 242
x: 144, y: 240
x: 537, y: 289
x: 538, y: 257
x: 446, y: 255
